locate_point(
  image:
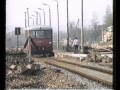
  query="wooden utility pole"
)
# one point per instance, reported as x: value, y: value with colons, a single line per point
x: 58, y: 24
x: 82, y: 38
x: 28, y: 16
x: 67, y: 29
x: 25, y: 20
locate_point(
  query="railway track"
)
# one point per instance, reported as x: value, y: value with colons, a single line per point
x: 85, y: 66
x: 94, y: 73
x: 97, y: 74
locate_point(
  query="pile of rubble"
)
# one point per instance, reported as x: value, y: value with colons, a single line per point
x: 15, y: 63
x: 96, y: 56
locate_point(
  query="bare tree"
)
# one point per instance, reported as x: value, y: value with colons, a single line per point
x: 94, y: 21
x: 108, y: 18
x: 94, y: 27
x: 74, y: 30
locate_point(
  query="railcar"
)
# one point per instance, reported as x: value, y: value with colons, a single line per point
x: 41, y: 40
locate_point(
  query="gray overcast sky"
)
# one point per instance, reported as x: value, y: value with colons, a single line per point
x: 15, y: 9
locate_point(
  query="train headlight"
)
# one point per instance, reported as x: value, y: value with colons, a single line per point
x: 50, y: 43
x: 43, y: 48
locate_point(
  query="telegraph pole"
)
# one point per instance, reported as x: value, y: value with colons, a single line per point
x: 43, y: 13
x: 49, y: 12
x: 36, y: 18
x: 58, y: 24
x: 40, y: 18
x: 50, y: 15
x: 25, y: 20
x: 82, y: 38
x: 28, y: 16
x: 67, y: 29
x: 32, y: 19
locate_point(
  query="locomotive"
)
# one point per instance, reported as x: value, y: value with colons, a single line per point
x: 41, y: 40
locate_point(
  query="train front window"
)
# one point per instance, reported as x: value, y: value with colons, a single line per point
x: 40, y: 34
x: 48, y: 34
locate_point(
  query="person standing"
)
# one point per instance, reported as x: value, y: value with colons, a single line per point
x: 75, y: 44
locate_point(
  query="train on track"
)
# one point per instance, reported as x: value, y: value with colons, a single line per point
x: 39, y: 40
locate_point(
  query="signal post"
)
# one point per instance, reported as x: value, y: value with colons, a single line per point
x: 17, y: 32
